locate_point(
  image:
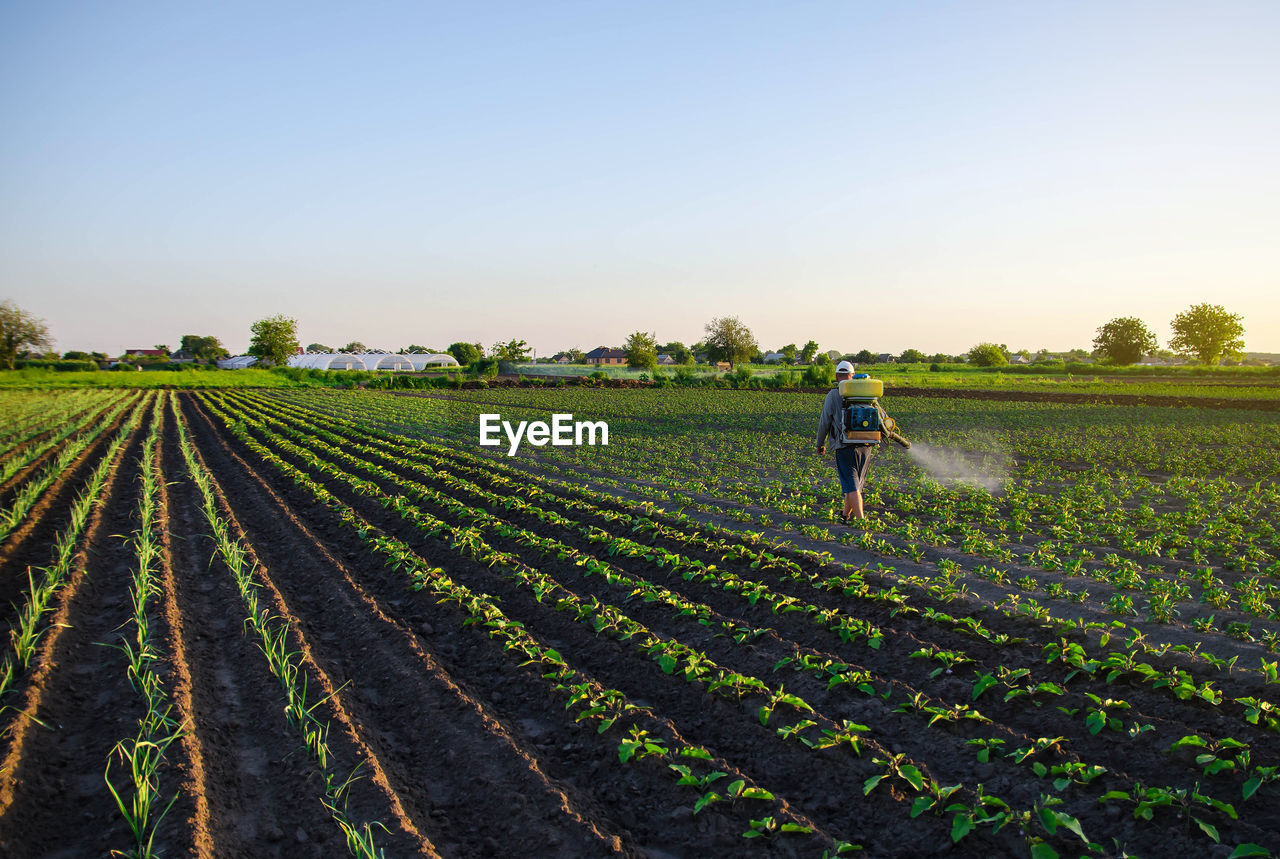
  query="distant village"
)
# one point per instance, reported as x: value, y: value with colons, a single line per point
x: 601, y: 356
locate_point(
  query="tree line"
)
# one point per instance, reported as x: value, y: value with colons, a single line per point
x: 1205, y: 332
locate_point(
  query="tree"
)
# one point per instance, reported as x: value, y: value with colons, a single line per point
x: 203, y: 348
x: 939, y: 358
x: 513, y: 351
x: 729, y: 340
x: 866, y: 356
x: 75, y: 355
x: 576, y: 355
x: 911, y: 356
x: 988, y: 355
x: 415, y: 349
x: 1208, y: 332
x: 319, y: 347
x: 808, y: 352
x: 274, y: 339
x: 1124, y: 340
x: 20, y: 330
x: 355, y: 346
x: 466, y: 353
x: 642, y: 351
x: 679, y: 352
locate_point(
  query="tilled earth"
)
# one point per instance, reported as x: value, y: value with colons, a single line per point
x: 463, y: 751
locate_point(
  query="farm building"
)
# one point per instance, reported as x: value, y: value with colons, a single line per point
x: 239, y: 362
x: 605, y: 355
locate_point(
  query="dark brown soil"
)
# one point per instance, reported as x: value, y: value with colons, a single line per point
x: 810, y: 781
x: 465, y: 752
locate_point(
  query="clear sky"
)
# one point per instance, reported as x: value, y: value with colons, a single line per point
x: 867, y: 174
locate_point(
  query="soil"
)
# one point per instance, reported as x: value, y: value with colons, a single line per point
x: 462, y: 751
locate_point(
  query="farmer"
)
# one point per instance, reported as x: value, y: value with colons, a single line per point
x: 852, y: 460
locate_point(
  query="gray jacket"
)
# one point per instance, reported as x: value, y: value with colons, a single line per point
x: 829, y: 421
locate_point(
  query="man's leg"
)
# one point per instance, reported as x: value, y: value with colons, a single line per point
x: 853, y: 505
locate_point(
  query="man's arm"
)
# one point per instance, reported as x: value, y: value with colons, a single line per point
x: 825, y: 422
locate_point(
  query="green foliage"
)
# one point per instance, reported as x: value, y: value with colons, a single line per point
x: 729, y: 340
x: 1124, y: 340
x: 275, y: 338
x: 208, y: 348
x: 912, y: 356
x: 1207, y: 332
x: 988, y: 355
x: 642, y: 351
x: 466, y: 353
x: 512, y: 351
x: 20, y: 330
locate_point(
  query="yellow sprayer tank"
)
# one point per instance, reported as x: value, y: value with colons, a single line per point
x: 862, y: 388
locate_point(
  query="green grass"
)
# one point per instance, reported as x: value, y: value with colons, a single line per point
x: 32, y: 378
x: 1189, y: 381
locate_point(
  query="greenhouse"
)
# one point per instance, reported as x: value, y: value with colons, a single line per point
x: 327, y: 361
x: 437, y: 359
x: 370, y: 361
x: 239, y: 362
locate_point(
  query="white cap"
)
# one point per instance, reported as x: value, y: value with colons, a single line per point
x: 844, y: 367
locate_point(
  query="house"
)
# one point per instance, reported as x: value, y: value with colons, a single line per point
x: 665, y: 360
x: 1019, y: 359
x: 775, y: 358
x: 145, y: 353
x: 605, y: 355
x: 885, y: 358
x: 182, y: 356
x: 562, y: 358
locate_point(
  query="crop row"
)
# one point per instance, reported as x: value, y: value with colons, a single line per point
x: 594, y: 617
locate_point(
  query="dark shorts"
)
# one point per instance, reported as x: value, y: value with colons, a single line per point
x: 852, y: 464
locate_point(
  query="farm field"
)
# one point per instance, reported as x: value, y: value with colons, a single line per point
x: 310, y: 622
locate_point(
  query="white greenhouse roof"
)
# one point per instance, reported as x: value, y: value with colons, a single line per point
x: 371, y: 361
x: 239, y: 362
x: 435, y: 359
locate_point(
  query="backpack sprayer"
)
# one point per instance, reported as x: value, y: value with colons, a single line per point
x: 862, y: 419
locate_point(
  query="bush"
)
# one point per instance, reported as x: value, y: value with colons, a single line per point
x: 820, y: 375
x: 58, y: 366
x: 935, y: 367
x: 685, y: 375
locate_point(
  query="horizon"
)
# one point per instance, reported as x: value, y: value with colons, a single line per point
x: 925, y: 176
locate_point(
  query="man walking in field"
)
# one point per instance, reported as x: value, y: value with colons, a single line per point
x: 852, y: 460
